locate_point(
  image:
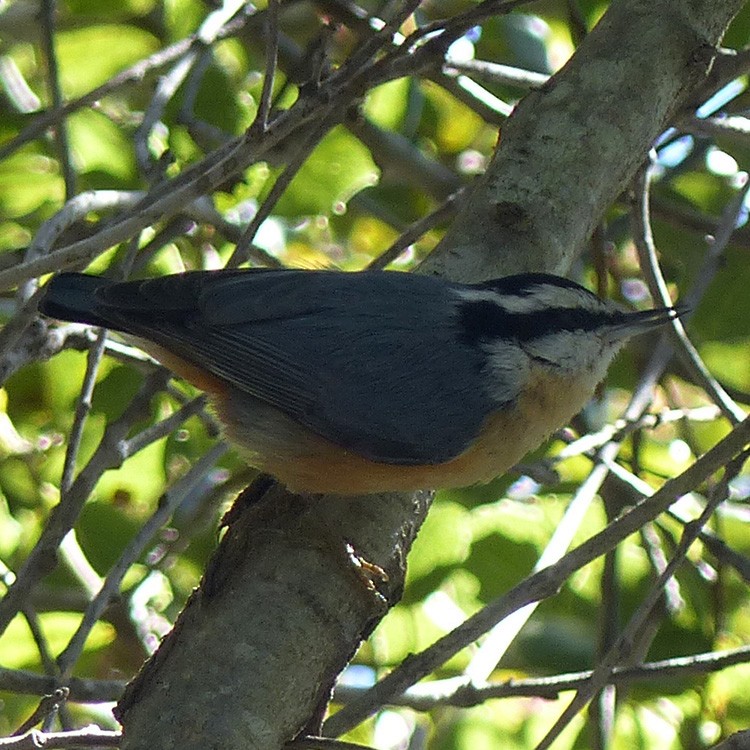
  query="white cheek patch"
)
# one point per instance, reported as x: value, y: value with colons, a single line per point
x: 573, y: 352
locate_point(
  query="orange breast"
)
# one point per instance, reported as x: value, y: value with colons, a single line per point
x: 306, y: 462
x: 194, y: 374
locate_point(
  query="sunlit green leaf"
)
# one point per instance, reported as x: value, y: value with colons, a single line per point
x: 17, y: 647
x: 28, y: 181
x: 113, y: 46
x: 339, y: 167
x: 99, y: 146
x: 386, y: 105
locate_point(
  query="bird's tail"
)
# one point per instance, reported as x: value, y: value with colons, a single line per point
x: 73, y: 297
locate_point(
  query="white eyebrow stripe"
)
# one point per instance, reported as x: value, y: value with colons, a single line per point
x: 543, y: 297
x: 479, y: 295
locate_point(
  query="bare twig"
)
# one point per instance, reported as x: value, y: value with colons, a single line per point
x: 622, y: 647
x: 49, y: 704
x: 458, y: 25
x: 479, y: 99
x: 81, y: 690
x: 735, y: 128
x: 132, y: 74
x: 622, y: 428
x: 496, y: 73
x: 53, y: 79
x: 272, y: 50
x: 169, y: 196
x: 540, y: 585
x: 649, y: 262
x: 162, y: 428
x: 89, y: 737
x: 166, y: 507
x: 457, y: 692
x: 417, y: 229
x: 499, y: 638
x: 170, y: 83
x: 300, y: 155
x: 83, y: 407
x: 107, y: 455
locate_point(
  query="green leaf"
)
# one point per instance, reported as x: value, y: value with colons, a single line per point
x: 100, y: 146
x: 28, y: 181
x: 338, y: 168
x: 121, y: 9
x: 386, y: 105
x: 456, y: 125
x: 112, y: 46
x: 18, y: 649
x: 104, y: 530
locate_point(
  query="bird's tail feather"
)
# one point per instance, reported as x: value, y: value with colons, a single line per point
x: 73, y: 297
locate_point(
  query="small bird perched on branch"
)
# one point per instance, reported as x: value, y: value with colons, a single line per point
x: 374, y: 381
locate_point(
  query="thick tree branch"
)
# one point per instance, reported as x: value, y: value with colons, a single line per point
x: 573, y: 145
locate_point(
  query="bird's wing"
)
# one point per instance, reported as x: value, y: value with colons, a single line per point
x: 369, y: 361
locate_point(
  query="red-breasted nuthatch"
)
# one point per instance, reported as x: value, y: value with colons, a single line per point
x: 372, y: 381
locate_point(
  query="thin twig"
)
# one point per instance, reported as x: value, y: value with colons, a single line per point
x: 496, y: 73
x: 111, y: 586
x: 74, y: 558
x: 165, y: 92
x: 48, y: 9
x: 489, y: 107
x: 621, y: 428
x: 88, y: 737
x: 81, y: 690
x: 417, y: 229
x: 401, y: 159
x: 163, y: 427
x: 384, y: 38
x: 301, y: 154
x: 604, y: 668
x: 83, y: 407
x: 500, y: 637
x: 40, y: 640
x: 272, y: 51
x: 735, y: 128
x: 542, y: 584
x: 331, y: 99
x: 47, y: 705
x: 456, y: 692
x: 716, y: 546
x: 133, y: 74
x: 646, y: 247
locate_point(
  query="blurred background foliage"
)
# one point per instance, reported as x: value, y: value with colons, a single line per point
x: 411, y: 145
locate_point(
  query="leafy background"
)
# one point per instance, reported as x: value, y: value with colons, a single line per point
x: 411, y: 145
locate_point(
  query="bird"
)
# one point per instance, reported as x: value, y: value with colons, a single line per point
x: 372, y: 381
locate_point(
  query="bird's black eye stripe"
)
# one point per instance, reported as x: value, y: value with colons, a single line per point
x: 482, y: 320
